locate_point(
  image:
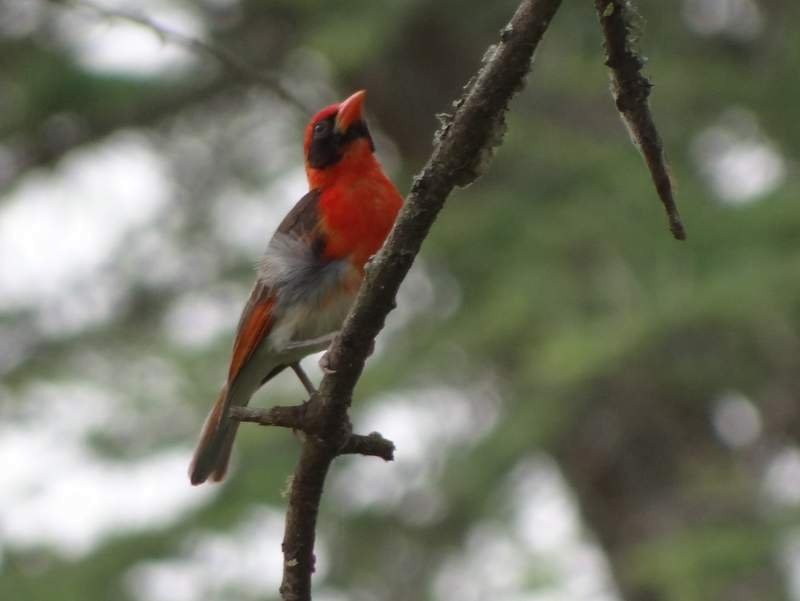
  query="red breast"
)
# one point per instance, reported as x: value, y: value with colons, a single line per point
x: 358, y: 204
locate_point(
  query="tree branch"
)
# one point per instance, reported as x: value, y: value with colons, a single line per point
x: 463, y: 149
x: 631, y: 89
x: 296, y: 418
x: 224, y: 57
x: 373, y: 445
x: 36, y: 149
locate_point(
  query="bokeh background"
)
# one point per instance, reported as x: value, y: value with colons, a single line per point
x: 584, y: 409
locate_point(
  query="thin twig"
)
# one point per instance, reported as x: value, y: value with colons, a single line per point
x: 223, y: 56
x: 463, y: 149
x: 293, y: 416
x: 631, y: 90
x: 374, y: 445
x: 38, y: 148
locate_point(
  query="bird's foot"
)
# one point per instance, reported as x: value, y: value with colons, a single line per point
x: 369, y: 263
x: 325, y: 364
x: 325, y: 360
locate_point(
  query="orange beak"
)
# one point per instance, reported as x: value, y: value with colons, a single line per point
x: 349, y: 111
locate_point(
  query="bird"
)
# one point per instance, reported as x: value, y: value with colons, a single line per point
x: 310, y: 272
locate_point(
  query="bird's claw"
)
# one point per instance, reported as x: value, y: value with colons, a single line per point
x: 325, y: 360
x: 369, y: 264
x: 325, y: 364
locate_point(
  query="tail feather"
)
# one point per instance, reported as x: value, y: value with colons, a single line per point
x: 213, y: 451
x: 224, y: 456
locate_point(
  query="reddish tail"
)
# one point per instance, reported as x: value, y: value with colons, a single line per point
x: 210, y: 460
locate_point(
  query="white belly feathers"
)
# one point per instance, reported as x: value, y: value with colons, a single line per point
x: 313, y: 295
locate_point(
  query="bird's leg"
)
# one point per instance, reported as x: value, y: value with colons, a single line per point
x: 313, y: 345
x: 304, y: 379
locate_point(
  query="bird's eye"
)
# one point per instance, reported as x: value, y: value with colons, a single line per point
x: 321, y: 128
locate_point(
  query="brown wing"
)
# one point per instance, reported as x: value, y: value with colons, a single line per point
x: 303, y: 220
x: 254, y: 325
x: 258, y: 316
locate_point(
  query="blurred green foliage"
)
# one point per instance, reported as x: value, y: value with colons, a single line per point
x: 609, y: 344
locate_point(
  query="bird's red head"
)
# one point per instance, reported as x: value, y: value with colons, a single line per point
x: 337, y: 139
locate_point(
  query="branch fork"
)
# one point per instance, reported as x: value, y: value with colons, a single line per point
x: 308, y: 419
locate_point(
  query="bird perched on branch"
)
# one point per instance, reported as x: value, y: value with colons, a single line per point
x: 310, y: 272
